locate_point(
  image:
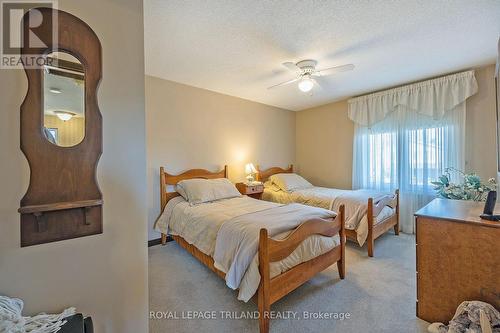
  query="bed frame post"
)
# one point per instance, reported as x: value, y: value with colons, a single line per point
x: 371, y: 221
x: 396, y: 227
x: 163, y: 192
x: 163, y: 200
x: 265, y: 279
x: 341, y: 262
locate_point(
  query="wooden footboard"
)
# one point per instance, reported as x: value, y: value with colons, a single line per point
x: 270, y: 250
x: 378, y: 229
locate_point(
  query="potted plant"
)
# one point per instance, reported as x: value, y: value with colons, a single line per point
x: 470, y: 188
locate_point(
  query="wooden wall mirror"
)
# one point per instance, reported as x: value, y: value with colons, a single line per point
x: 61, y: 129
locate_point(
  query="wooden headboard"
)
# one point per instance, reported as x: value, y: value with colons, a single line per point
x: 168, y: 179
x: 265, y: 174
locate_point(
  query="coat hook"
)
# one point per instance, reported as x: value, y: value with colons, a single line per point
x: 41, y: 223
x: 86, y: 219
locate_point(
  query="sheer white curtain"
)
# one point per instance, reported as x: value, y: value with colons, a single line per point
x: 405, y: 138
x: 408, y: 151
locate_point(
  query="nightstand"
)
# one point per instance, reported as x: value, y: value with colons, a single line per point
x: 254, y: 191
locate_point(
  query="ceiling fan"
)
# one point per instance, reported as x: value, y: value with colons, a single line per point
x: 306, y: 72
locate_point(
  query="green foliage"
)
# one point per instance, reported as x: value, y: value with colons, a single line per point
x: 471, y: 187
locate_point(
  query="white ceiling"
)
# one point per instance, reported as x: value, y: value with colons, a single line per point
x: 71, y: 96
x: 70, y: 99
x: 236, y: 47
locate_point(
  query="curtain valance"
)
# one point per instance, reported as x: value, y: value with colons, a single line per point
x: 432, y: 98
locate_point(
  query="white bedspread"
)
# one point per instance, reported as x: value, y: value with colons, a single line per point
x: 356, y: 204
x: 201, y: 225
x: 238, y: 239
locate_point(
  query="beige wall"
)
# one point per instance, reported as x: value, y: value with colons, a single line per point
x: 189, y: 128
x: 324, y: 145
x: 103, y: 275
x: 480, y: 147
x: 325, y: 135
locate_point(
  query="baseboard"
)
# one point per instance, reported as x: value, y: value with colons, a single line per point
x: 157, y: 241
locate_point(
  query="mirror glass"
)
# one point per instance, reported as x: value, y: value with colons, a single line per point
x: 64, y: 99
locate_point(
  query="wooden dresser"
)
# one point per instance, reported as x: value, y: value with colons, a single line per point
x: 458, y: 258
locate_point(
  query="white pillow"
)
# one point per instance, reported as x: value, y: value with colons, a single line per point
x: 197, y: 191
x: 181, y: 191
x: 290, y: 181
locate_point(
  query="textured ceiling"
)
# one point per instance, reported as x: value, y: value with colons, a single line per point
x: 236, y: 47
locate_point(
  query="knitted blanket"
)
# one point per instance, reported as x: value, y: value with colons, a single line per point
x: 12, y: 320
x: 471, y: 317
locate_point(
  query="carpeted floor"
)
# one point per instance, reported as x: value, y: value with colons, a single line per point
x: 378, y: 294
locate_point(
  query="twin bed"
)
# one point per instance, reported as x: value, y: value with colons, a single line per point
x: 268, y: 248
x: 263, y: 248
x: 369, y: 214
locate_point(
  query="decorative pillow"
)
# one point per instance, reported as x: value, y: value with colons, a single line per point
x: 290, y: 181
x: 271, y: 186
x: 197, y: 191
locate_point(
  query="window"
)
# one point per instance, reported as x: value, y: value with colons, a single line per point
x: 406, y: 151
x: 53, y: 132
x: 382, y: 152
x: 425, y: 156
x: 417, y: 153
x: 406, y: 137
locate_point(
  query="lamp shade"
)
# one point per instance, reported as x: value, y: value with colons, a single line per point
x: 249, y: 169
x: 306, y: 84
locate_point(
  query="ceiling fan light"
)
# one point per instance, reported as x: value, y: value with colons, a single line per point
x: 64, y: 116
x: 306, y: 84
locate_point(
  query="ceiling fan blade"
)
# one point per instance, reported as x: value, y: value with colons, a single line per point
x: 317, y: 86
x: 333, y: 70
x: 283, y: 83
x: 291, y: 66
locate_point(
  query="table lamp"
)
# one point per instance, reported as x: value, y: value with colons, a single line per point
x: 250, y: 171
